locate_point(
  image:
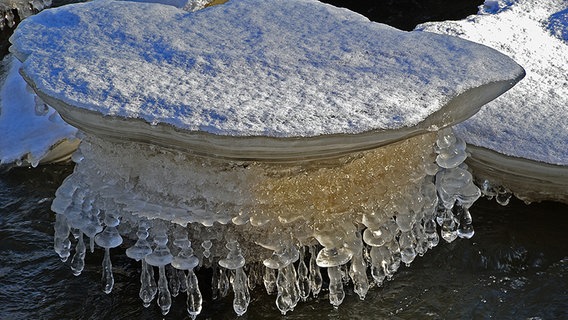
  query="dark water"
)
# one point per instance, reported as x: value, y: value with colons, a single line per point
x: 515, y: 267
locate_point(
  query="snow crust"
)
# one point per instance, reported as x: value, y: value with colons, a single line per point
x: 530, y: 121
x: 29, y: 134
x: 249, y: 68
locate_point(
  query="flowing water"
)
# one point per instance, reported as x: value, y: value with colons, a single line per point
x: 515, y: 267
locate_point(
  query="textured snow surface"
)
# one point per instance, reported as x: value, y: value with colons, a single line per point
x: 249, y: 67
x: 25, y: 131
x: 530, y: 120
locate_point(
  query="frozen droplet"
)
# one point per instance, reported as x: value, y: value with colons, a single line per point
x: 503, y: 196
x: 448, y: 226
x: 465, y: 228
x: 234, y: 259
x: 332, y: 257
x: 109, y: 238
x: 206, y: 248
x: 282, y: 257
x: 407, y: 243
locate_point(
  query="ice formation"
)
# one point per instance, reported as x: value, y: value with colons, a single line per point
x: 32, y: 132
x: 518, y: 141
x: 12, y: 11
x: 292, y: 139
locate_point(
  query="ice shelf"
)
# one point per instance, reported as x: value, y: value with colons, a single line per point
x: 32, y: 132
x: 290, y: 139
x: 518, y: 141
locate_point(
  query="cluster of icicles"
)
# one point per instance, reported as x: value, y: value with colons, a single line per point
x: 294, y: 271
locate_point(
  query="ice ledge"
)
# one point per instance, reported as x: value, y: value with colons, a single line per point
x: 528, y: 180
x: 260, y: 148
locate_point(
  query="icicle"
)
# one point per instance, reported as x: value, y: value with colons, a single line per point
x: 215, y: 283
x: 395, y: 258
x: 407, y: 243
x: 160, y: 257
x: 183, y: 282
x: 449, y: 226
x: 236, y: 261
x: 194, y: 298
x: 465, y: 229
x: 186, y: 260
x: 241, y: 298
x: 421, y: 238
x: 108, y: 278
x: 253, y: 277
x: 148, y: 288
x: 315, y: 273
x: 283, y: 299
x: 358, y: 269
x: 336, y: 292
x: 78, y: 261
x: 138, y: 252
x: 174, y: 281
x: 223, y: 285
x: 379, y: 263
x: 61, y: 243
x: 303, y: 277
x: 269, y: 279
x: 431, y: 233
x: 109, y: 238
x: 164, y: 296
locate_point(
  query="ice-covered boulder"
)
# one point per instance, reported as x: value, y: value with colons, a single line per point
x: 271, y: 73
x: 519, y: 140
x: 268, y: 138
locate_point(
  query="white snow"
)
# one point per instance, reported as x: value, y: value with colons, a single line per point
x: 531, y: 120
x: 292, y: 68
x: 27, y: 136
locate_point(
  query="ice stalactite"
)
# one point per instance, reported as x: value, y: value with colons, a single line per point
x: 407, y: 188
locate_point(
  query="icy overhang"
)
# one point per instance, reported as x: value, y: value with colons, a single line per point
x: 253, y: 79
x: 519, y: 140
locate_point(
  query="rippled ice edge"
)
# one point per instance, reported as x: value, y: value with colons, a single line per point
x: 515, y: 267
